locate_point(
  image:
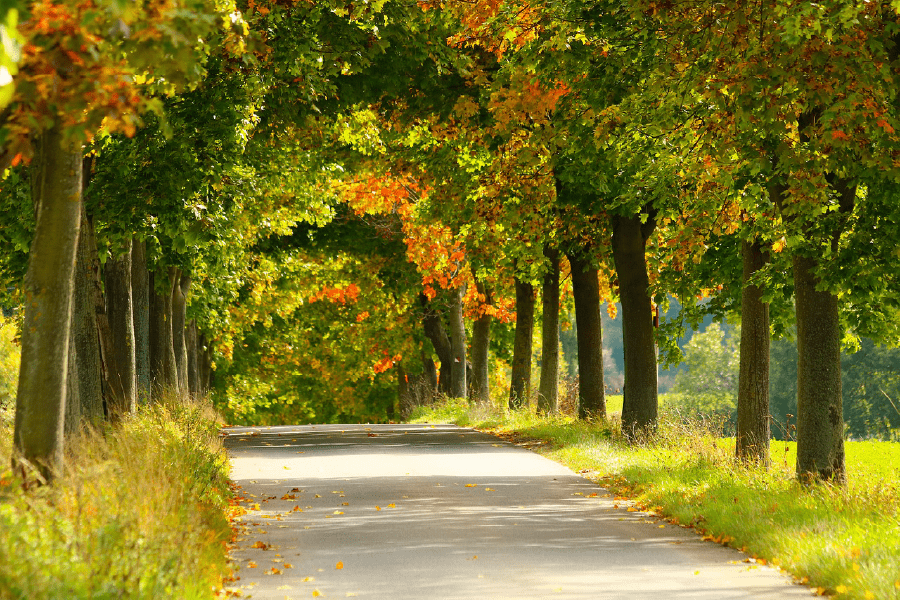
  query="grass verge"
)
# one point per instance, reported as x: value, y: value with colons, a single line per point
x: 842, y: 541
x: 139, y: 512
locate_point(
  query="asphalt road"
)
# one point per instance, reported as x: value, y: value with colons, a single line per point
x: 436, y: 511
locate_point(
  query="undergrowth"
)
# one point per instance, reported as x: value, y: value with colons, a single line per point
x: 137, y: 513
x: 843, y: 541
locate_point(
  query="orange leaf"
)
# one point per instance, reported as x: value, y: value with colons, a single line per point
x: 339, y: 565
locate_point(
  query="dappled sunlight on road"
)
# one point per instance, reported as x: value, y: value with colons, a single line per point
x: 443, y: 512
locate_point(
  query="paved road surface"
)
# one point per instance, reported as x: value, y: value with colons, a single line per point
x: 416, y: 512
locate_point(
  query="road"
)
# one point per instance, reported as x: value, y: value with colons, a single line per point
x: 415, y: 512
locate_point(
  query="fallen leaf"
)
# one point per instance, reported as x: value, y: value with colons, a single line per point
x: 297, y: 509
x: 392, y: 505
x: 377, y: 508
x: 251, y: 565
x: 338, y: 512
x: 316, y: 593
x: 339, y: 565
x: 471, y: 485
x: 261, y: 545
x: 308, y: 579
x: 289, y: 497
x: 273, y: 571
x: 288, y: 566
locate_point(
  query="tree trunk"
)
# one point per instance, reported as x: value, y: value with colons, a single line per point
x: 179, y: 322
x: 434, y: 331
x: 191, y: 339
x: 73, y: 419
x: 140, y: 296
x: 588, y: 329
x: 41, y: 394
x: 548, y: 389
x: 122, y: 362
x: 85, y: 328
x: 458, y: 345
x: 520, y: 386
x: 430, y: 375
x: 481, y: 340
x: 753, y: 383
x: 820, y: 425
x: 204, y: 358
x: 629, y: 240
x: 163, y: 375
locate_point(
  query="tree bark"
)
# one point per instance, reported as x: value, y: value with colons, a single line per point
x: 192, y: 340
x: 122, y: 361
x: 629, y: 240
x: 204, y: 358
x: 430, y: 376
x: 458, y: 345
x: 820, y: 425
x: 179, y: 322
x: 588, y: 329
x: 163, y: 375
x: 520, y: 386
x: 480, y: 350
x: 140, y: 296
x: 434, y: 331
x: 753, y: 383
x: 41, y: 394
x: 73, y: 419
x: 85, y: 328
x: 548, y: 389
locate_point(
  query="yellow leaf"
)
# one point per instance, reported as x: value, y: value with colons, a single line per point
x: 339, y: 565
x: 377, y: 508
x: 841, y: 589
x: 316, y: 593
x: 308, y: 579
x: 288, y: 566
x: 471, y: 484
x: 392, y: 505
x: 338, y: 512
x: 251, y: 565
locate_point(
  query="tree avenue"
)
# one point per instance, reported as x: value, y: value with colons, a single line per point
x: 337, y: 211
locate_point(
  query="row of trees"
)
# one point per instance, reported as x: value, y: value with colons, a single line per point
x: 355, y: 187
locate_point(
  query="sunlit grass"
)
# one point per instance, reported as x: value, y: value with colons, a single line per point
x: 138, y: 513
x: 842, y: 541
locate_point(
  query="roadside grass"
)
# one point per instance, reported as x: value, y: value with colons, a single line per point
x: 139, y: 512
x: 841, y: 541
